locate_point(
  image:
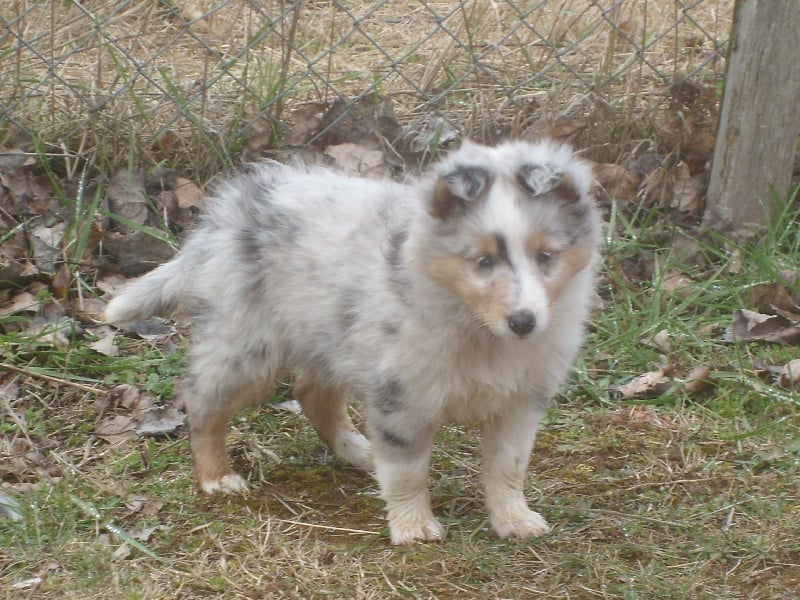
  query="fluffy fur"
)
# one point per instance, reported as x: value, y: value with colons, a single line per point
x: 457, y: 296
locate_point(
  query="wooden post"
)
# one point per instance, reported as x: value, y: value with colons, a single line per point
x: 760, y: 119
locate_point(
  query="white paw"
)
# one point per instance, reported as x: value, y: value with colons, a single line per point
x: 409, y: 532
x: 355, y: 449
x: 232, y: 483
x: 520, y: 522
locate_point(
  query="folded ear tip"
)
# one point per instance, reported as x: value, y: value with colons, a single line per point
x: 455, y: 189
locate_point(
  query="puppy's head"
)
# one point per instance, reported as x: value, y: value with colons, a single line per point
x: 512, y: 228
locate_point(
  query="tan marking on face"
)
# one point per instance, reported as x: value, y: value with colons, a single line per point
x: 540, y: 241
x: 487, y: 245
x: 486, y: 297
x: 568, y: 263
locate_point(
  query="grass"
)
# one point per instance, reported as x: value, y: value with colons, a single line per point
x: 681, y: 496
x: 690, y: 494
x: 93, y: 80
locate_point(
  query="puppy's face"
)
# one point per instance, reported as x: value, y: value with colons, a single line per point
x: 510, y: 240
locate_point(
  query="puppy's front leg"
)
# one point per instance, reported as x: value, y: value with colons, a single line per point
x: 507, y: 443
x: 401, y: 458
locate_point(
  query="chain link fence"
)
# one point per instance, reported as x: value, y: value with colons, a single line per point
x: 204, y: 82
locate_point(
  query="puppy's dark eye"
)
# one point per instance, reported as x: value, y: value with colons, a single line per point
x: 544, y: 259
x: 485, y: 262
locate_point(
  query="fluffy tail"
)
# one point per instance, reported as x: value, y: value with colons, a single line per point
x: 160, y: 292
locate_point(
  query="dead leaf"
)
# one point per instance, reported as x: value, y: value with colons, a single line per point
x: 22, y: 302
x: 137, y: 251
x: 688, y: 249
x: 24, y: 460
x: 26, y: 584
x: 358, y: 159
x: 687, y: 190
x: 189, y: 195
x: 431, y: 134
x: 644, y: 160
x: 60, y: 282
x: 127, y: 197
x: 292, y: 406
x: 43, y: 331
x: 647, y: 385
x: 690, y: 132
x: 130, y: 397
x: 698, y: 380
x: 751, y: 326
x: 159, y: 179
x: 88, y: 309
x: 160, y: 421
x: 111, y: 285
x: 789, y: 377
x: 29, y: 193
x: 105, y: 343
x: 260, y: 140
x: 370, y: 118
x: 710, y: 330
x: 13, y: 159
x: 121, y: 553
x: 117, y: 430
x: 45, y: 245
x: 565, y: 129
x: 306, y: 120
x: 659, y: 341
x: 617, y: 182
x: 735, y: 261
x: 143, y: 534
x: 767, y: 297
x: 140, y: 503
x: 152, y: 330
x: 676, y: 282
x: 165, y: 145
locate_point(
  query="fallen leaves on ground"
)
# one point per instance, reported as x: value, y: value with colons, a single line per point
x: 751, y: 326
x: 647, y: 385
x: 126, y: 413
x: 778, y: 324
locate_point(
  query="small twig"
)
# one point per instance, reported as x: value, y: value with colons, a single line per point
x: 52, y: 379
x: 10, y: 410
x: 647, y: 484
x: 614, y: 513
x: 330, y: 527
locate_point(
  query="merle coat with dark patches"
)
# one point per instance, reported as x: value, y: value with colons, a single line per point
x: 460, y: 295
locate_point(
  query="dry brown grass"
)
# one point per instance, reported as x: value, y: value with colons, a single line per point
x: 103, y: 81
x: 678, y: 497
x: 672, y: 503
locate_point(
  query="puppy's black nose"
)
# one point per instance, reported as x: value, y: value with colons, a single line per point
x: 522, y: 322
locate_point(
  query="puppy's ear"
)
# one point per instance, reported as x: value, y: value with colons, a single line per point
x: 539, y: 179
x: 566, y: 190
x: 454, y: 191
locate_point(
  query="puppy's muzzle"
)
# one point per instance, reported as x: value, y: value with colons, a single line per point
x: 521, y: 323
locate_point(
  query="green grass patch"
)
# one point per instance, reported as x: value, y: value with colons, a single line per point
x: 683, y: 495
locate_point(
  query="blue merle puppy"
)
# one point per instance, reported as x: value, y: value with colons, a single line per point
x: 460, y: 295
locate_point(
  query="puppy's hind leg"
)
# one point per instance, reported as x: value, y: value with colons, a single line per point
x: 326, y: 409
x: 208, y: 423
x: 220, y: 384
